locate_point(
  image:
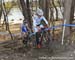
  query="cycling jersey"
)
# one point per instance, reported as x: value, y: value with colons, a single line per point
x: 24, y: 28
x: 38, y: 22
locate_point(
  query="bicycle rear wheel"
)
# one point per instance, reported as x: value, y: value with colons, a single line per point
x: 46, y: 39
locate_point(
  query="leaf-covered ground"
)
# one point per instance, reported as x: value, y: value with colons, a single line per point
x: 56, y: 52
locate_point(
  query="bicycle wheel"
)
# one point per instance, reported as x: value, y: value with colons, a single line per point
x: 45, y: 39
x: 32, y: 41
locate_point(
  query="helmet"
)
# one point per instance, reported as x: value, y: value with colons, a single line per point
x: 24, y: 22
x: 39, y: 11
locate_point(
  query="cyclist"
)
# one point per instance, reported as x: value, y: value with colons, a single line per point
x: 39, y: 22
x: 24, y: 32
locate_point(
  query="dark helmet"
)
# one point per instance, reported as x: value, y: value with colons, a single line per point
x: 24, y: 21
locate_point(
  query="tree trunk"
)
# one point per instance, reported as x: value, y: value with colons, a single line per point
x: 29, y: 14
x: 26, y: 11
x: 0, y: 10
x: 6, y: 19
x: 23, y: 5
x: 55, y: 9
x: 47, y: 10
x: 67, y: 10
x: 44, y: 5
x: 72, y: 13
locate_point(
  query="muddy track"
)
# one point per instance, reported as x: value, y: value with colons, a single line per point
x: 11, y: 44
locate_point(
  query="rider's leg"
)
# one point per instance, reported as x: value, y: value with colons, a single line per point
x: 37, y: 39
x: 25, y: 38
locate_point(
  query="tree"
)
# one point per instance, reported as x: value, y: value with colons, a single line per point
x: 23, y: 6
x: 44, y: 5
x: 55, y: 9
x: 47, y: 9
x: 67, y: 10
x: 26, y: 11
x: 72, y: 12
x: 0, y: 8
x: 29, y: 14
x: 6, y: 19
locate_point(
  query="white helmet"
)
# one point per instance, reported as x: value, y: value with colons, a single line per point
x: 39, y: 11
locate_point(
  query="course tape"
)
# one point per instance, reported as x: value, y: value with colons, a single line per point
x: 66, y: 25
x: 53, y: 27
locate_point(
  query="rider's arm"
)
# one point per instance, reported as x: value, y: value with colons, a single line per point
x: 45, y: 20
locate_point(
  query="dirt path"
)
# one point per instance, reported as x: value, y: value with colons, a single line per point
x: 63, y: 53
